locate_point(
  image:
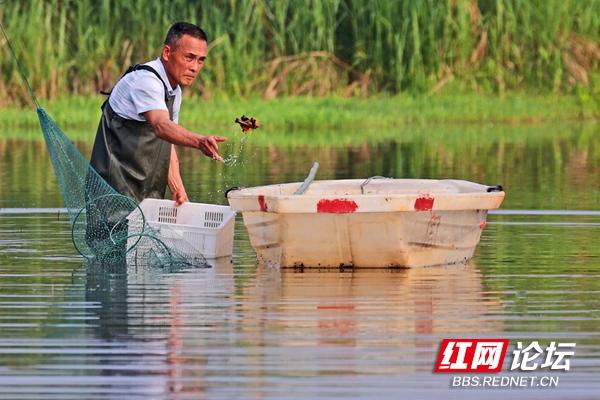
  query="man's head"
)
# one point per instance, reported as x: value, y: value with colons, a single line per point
x: 184, y: 52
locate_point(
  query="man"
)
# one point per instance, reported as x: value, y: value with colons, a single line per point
x: 134, y: 150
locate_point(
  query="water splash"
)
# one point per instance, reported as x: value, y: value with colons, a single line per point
x: 233, y: 159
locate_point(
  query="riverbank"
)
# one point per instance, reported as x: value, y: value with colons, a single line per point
x: 305, y: 113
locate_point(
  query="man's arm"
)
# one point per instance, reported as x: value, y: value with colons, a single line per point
x: 176, y: 134
x: 174, y: 179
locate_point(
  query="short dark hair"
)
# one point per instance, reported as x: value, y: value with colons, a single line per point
x: 178, y: 29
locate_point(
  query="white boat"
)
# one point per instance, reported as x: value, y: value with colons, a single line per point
x: 370, y: 223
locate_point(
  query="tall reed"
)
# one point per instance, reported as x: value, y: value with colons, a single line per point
x: 287, y: 47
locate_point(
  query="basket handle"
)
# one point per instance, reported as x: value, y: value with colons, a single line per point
x: 232, y: 188
x: 368, y: 180
x: 496, y: 188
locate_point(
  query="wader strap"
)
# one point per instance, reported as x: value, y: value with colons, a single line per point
x: 138, y: 67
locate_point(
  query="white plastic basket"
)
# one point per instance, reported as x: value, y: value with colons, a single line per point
x: 192, y: 228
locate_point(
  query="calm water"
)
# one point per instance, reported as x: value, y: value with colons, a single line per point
x: 240, y: 330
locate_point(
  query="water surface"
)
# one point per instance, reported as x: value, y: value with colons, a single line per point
x: 241, y: 330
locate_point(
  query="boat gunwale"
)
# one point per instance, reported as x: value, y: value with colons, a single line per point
x: 368, y: 202
x: 435, y: 198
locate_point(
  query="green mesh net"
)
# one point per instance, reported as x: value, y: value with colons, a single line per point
x: 108, y: 227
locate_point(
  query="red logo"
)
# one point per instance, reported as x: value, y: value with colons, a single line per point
x: 471, y: 355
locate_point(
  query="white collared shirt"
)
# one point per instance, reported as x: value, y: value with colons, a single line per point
x: 140, y: 91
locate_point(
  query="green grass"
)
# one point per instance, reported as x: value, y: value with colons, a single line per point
x: 315, y: 47
x: 289, y: 116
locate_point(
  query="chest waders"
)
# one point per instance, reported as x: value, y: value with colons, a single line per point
x: 129, y: 155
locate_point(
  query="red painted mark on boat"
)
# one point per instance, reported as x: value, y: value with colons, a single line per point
x: 262, y: 203
x: 483, y: 224
x: 336, y: 307
x: 424, y: 203
x: 336, y: 206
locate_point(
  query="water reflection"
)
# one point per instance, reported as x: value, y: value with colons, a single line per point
x: 141, y: 318
x: 106, y: 292
x: 188, y: 324
x: 392, y: 310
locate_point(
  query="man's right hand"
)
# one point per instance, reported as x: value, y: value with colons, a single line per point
x: 178, y: 135
x: 209, y: 146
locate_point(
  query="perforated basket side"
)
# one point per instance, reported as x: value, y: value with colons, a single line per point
x: 157, y: 210
x: 213, y: 219
x: 207, y: 216
x: 167, y: 214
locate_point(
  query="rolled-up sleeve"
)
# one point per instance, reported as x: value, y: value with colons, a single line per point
x: 148, y: 93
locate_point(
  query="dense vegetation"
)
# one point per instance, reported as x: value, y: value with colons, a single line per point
x: 316, y: 47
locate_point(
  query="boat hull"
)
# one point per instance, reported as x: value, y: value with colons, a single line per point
x: 367, y: 240
x: 380, y: 229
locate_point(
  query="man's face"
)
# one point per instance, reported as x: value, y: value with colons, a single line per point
x: 184, y: 62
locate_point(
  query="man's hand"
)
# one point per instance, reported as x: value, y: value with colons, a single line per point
x: 209, y: 146
x: 174, y: 180
x: 178, y: 135
x: 180, y: 197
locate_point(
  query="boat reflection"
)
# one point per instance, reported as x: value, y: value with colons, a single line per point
x: 395, y: 312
